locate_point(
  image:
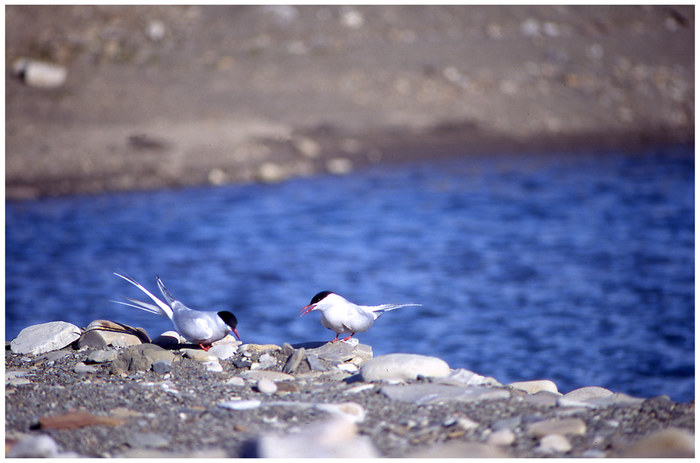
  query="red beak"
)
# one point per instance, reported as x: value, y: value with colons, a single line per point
x: 235, y: 331
x: 307, y: 309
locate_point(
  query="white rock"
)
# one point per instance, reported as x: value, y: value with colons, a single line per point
x: 334, y: 438
x: 306, y: 146
x: 554, y: 443
x: 155, y: 30
x: 256, y: 375
x: 349, y: 410
x: 236, y: 381
x: 41, y: 446
x: 39, y: 73
x: 403, y: 367
x: 348, y: 367
x: 213, y: 365
x: 503, y: 437
x: 466, y: 423
x: 352, y: 18
x: 240, y: 404
x: 223, y: 351
x: 45, y: 337
x: 532, y: 387
x: 358, y: 388
x: 465, y: 377
x: 269, y: 172
x: 267, y: 386
x: 588, y: 393
x: 267, y: 361
x: 436, y: 393
x: 339, y: 166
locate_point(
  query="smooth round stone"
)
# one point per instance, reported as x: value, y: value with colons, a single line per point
x: 103, y: 333
x: 39, y: 73
x: 503, y: 437
x: 532, y: 387
x: 213, y: 365
x: 267, y: 386
x: 403, y: 367
x: 236, y: 381
x: 554, y: 443
x: 45, y: 337
x: 199, y: 355
x: 161, y: 367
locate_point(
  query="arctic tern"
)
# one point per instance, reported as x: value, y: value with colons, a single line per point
x: 195, y: 326
x: 342, y: 316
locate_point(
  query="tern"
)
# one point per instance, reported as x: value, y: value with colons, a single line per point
x: 342, y: 316
x: 195, y: 326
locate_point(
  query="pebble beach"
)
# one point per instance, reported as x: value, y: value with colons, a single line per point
x: 108, y: 390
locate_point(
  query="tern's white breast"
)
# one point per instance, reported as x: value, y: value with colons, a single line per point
x: 346, y: 318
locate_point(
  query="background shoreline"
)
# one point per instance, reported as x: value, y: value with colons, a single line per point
x: 177, y: 96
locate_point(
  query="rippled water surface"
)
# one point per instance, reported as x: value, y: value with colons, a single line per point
x: 576, y: 268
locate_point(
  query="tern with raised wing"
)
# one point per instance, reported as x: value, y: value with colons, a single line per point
x: 196, y: 326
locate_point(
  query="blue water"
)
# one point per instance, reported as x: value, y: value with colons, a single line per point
x: 576, y: 268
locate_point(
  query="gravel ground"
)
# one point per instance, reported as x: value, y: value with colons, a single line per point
x: 164, y: 96
x: 180, y: 409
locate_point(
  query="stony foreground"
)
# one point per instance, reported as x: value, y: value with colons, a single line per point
x: 104, y: 393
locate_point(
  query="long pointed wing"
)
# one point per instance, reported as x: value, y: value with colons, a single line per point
x: 163, y: 306
x: 141, y: 305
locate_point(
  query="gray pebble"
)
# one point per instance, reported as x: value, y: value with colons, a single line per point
x: 162, y: 367
x: 102, y: 356
x: 148, y: 439
x: 80, y: 367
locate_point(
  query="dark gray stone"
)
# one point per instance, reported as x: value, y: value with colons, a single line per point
x: 294, y: 360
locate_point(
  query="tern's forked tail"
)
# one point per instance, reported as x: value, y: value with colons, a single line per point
x: 387, y: 307
x: 161, y: 308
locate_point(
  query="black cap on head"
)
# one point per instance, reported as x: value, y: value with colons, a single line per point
x: 228, y: 318
x: 319, y: 296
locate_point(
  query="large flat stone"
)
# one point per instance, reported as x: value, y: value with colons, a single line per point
x: 436, y: 393
x: 103, y: 333
x: 404, y: 367
x: 533, y: 387
x: 45, y: 337
x: 339, y: 352
x: 140, y: 358
x: 257, y: 375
